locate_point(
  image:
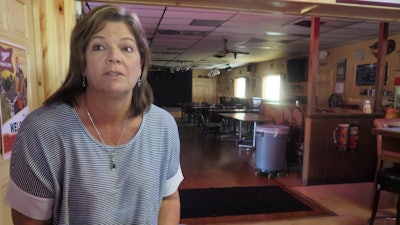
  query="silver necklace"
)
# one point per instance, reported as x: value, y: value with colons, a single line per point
x: 113, y: 165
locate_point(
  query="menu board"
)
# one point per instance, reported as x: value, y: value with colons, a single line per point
x: 366, y: 74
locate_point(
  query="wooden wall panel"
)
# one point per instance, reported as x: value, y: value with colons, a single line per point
x: 56, y: 22
x: 2, y: 15
x: 5, y: 212
x: 204, y: 90
x: 16, y: 28
x: 324, y: 163
x: 43, y: 28
x: 17, y: 18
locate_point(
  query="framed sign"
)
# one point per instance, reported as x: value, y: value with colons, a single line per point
x: 366, y: 74
x: 13, y: 86
x: 341, y: 70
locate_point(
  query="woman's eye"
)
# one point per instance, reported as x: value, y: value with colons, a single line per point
x: 98, y: 47
x: 128, y: 49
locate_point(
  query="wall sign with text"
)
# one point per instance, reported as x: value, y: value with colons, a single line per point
x: 366, y: 74
x: 13, y: 87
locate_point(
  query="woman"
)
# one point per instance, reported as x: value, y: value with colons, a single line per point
x: 99, y: 151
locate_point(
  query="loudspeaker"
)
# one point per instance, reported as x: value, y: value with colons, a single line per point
x: 251, y: 68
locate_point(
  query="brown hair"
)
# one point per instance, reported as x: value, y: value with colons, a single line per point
x: 90, y: 24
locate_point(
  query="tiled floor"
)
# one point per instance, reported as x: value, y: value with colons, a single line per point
x: 211, y: 163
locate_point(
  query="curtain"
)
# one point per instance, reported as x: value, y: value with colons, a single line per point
x: 171, y: 89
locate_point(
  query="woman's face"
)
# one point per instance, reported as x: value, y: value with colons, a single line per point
x: 113, y: 60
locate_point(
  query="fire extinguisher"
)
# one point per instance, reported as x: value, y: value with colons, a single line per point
x: 353, y: 136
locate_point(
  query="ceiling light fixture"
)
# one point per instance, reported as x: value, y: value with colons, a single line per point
x: 213, y: 72
x: 181, y: 67
x: 185, y: 68
x: 272, y: 33
x: 228, y: 68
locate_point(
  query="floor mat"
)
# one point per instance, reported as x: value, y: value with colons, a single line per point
x: 247, y: 203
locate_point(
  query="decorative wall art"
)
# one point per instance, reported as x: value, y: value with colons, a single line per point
x: 13, y: 86
x: 341, y: 70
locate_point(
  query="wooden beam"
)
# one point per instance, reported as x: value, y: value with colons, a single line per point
x: 381, y: 66
x: 313, y: 65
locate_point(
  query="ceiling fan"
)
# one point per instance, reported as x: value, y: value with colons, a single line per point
x: 225, y: 51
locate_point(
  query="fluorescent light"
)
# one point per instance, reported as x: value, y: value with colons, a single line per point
x: 271, y: 33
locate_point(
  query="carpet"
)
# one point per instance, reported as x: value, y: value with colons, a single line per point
x: 244, y: 204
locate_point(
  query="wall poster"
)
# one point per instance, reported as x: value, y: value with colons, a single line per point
x: 13, y: 87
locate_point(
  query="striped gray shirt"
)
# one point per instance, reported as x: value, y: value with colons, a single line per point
x: 59, y: 170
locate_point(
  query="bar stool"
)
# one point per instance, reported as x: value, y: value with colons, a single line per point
x: 387, y: 179
x: 384, y: 154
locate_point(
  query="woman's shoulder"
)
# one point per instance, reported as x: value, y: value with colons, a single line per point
x: 157, y: 111
x: 55, y: 109
x: 49, y: 115
x: 159, y: 115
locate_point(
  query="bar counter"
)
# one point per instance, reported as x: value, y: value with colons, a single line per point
x: 323, y: 163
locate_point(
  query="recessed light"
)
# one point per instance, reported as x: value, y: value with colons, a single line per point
x: 271, y: 33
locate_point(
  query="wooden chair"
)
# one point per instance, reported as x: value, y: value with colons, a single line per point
x: 298, y: 135
x: 287, y: 116
x: 277, y: 114
x: 384, y: 154
x: 298, y: 118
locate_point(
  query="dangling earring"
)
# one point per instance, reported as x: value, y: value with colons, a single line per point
x: 83, y: 81
x: 139, y: 82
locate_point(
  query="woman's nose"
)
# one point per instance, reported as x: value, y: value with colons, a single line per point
x: 114, y: 56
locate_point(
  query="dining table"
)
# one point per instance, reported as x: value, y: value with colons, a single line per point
x: 390, y: 138
x: 248, y: 117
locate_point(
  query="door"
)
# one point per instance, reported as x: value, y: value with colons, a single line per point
x: 324, y: 85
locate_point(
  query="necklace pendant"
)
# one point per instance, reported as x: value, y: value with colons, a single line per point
x: 113, y: 166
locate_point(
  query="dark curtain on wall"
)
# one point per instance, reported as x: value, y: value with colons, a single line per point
x: 171, y: 89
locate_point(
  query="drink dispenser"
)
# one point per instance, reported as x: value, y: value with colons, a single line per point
x: 346, y: 137
x: 340, y: 136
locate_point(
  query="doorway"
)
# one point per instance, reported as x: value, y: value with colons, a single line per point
x: 324, y: 87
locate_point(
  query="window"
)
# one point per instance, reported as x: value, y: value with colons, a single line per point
x: 271, y: 87
x: 240, y: 87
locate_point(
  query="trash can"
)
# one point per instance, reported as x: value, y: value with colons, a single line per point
x: 271, y: 143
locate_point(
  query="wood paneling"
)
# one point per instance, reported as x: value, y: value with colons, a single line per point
x: 15, y: 28
x: 48, y: 51
x: 324, y: 163
x: 204, y: 90
x: 3, y: 15
x: 5, y: 212
x: 56, y: 22
x: 18, y: 27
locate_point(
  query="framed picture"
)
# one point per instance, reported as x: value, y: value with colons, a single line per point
x: 341, y: 70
